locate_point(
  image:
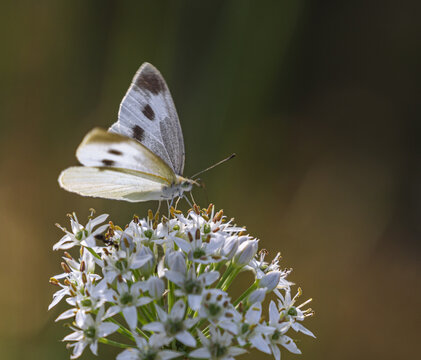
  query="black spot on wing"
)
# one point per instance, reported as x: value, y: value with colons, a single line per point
x: 138, y: 133
x: 115, y: 152
x: 150, y: 80
x: 148, y: 112
x: 107, y: 162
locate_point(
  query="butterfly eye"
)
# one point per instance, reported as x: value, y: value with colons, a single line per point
x: 185, y: 184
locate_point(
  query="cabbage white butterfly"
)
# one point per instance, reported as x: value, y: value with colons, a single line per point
x: 141, y: 156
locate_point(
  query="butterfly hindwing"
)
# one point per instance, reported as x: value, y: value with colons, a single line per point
x: 147, y: 114
x: 111, y: 183
x: 101, y: 148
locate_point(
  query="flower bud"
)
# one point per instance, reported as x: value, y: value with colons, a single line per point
x: 177, y: 262
x: 148, y: 267
x: 245, y: 252
x: 257, y: 296
x: 156, y: 287
x: 230, y: 247
x: 270, y: 280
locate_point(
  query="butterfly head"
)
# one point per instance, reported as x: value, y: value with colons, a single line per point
x: 186, y: 184
x: 176, y: 189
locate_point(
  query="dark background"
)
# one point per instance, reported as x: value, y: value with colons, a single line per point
x: 319, y: 99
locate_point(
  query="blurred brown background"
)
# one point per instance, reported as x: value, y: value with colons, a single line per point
x: 319, y: 99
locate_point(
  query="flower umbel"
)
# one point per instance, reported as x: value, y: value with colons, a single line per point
x: 160, y: 288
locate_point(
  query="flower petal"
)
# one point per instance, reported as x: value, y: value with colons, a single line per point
x: 130, y: 314
x: 186, y: 338
x: 201, y: 353
x: 106, y: 329
x: 254, y: 314
x: 154, y: 326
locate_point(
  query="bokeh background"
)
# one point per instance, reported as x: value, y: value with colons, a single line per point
x: 319, y: 99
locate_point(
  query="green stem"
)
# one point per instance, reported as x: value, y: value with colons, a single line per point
x: 141, y: 332
x: 145, y: 312
x: 230, y: 278
x: 122, y: 330
x: 201, y: 269
x: 171, y: 296
x: 114, y: 343
x: 93, y: 252
x: 225, y: 276
x: 246, y: 293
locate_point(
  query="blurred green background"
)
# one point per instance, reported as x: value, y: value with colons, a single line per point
x: 319, y: 99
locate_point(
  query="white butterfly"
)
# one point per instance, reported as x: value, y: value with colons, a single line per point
x: 141, y: 156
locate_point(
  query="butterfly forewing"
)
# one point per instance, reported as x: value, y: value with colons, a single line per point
x: 100, y: 148
x: 148, y: 115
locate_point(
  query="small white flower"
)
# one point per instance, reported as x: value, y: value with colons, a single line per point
x: 88, y: 331
x: 261, y: 267
x: 199, y: 251
x: 121, y: 262
x: 145, y: 233
x: 127, y: 299
x: 218, y: 310
x: 252, y: 330
x: 148, y: 350
x: 92, y: 297
x: 217, y: 347
x: 173, y: 325
x: 81, y: 235
x: 190, y: 285
x: 292, y: 314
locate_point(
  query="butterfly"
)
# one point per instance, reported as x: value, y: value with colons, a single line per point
x: 141, y: 156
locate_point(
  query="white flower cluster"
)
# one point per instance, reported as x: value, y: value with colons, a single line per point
x: 161, y: 286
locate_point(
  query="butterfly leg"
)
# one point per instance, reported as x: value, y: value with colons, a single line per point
x: 188, y: 202
x: 159, y: 206
x: 168, y: 206
x: 176, y: 202
x: 192, y: 198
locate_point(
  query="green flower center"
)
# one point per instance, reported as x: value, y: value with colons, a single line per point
x: 244, y: 328
x: 81, y: 234
x: 86, y: 302
x: 292, y: 311
x: 193, y: 287
x: 176, y: 227
x: 198, y: 253
x: 149, y: 354
x: 126, y: 298
x: 121, y: 264
x: 276, y: 335
x: 148, y: 233
x: 90, y: 332
x: 206, y: 228
x: 214, y: 309
x: 218, y: 350
x: 173, y: 327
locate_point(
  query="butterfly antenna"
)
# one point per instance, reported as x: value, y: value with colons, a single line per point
x: 214, y: 165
